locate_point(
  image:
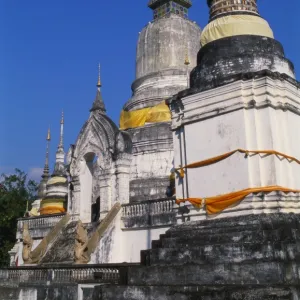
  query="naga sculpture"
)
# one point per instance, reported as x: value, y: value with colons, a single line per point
x: 27, y: 245
x: 81, y: 242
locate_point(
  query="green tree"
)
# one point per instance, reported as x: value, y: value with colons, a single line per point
x: 15, y: 192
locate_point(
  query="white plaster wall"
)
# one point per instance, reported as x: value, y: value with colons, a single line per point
x: 265, y: 129
x: 117, y: 245
x: 86, y: 183
x: 211, y: 138
x: 209, y: 133
x: 151, y: 164
x: 137, y: 240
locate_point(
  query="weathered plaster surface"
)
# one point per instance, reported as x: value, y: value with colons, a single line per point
x: 258, y: 114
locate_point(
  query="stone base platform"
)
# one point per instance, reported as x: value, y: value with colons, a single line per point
x: 196, y: 293
x: 249, y: 257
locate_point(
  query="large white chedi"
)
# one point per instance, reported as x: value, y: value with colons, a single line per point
x: 243, y: 96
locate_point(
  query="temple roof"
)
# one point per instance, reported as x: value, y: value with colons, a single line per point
x: 98, y: 102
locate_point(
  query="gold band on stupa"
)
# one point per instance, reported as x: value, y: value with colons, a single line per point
x: 233, y: 25
x: 138, y: 118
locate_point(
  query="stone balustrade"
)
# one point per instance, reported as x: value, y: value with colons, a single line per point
x: 39, y: 226
x: 153, y: 207
x: 149, y: 213
x: 110, y: 273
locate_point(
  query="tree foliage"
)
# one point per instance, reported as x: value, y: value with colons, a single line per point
x: 15, y: 192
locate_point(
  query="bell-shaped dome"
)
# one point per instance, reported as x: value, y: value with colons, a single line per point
x: 162, y: 48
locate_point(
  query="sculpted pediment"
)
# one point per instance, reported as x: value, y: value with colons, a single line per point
x: 100, y: 136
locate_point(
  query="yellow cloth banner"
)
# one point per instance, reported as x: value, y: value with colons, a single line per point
x: 233, y: 25
x: 50, y: 210
x: 216, y: 159
x: 217, y: 204
x: 138, y: 118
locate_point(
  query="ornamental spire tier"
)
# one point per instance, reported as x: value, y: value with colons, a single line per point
x: 219, y: 8
x: 45, y: 176
x: 162, y: 8
x: 59, y: 168
x: 98, y: 104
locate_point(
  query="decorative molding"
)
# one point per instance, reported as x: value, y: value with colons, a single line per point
x: 256, y: 93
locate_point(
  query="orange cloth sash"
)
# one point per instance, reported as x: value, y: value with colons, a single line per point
x: 217, y: 204
x: 215, y: 159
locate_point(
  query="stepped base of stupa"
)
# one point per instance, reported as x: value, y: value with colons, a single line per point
x: 248, y: 257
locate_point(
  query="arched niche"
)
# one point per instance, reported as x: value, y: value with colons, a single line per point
x: 86, y: 182
x: 95, y: 211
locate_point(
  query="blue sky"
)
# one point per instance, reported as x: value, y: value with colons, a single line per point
x: 49, y: 52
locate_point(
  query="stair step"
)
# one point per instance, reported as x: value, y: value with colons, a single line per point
x: 62, y: 250
x: 211, y: 231
x: 257, y: 273
x: 266, y: 220
x: 156, y: 244
x: 225, y: 253
x: 240, y: 292
x: 281, y: 234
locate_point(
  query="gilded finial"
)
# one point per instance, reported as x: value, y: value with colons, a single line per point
x: 48, y: 134
x: 99, y: 80
x: 186, y: 60
x: 62, y: 118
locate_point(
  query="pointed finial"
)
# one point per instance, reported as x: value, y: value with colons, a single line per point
x: 48, y: 135
x: 99, y: 80
x: 186, y: 60
x: 45, y: 175
x: 46, y: 168
x: 62, y: 118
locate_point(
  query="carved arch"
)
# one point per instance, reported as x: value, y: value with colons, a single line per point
x: 100, y: 137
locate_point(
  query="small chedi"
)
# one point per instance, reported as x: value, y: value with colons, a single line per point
x: 195, y: 195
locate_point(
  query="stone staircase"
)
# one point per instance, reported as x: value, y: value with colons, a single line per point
x: 62, y: 249
x: 247, y: 257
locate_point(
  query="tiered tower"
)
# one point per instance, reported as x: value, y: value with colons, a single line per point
x: 161, y: 72
x: 57, y: 186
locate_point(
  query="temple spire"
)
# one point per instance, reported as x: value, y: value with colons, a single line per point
x: 59, y: 168
x: 99, y: 77
x: 45, y: 175
x: 98, y: 102
x: 61, y: 140
x: 46, y: 167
